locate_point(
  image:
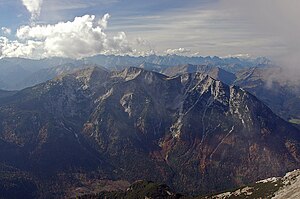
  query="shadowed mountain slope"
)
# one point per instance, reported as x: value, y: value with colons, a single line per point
x: 192, y: 132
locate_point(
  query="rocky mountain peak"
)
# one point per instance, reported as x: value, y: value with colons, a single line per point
x: 191, y: 130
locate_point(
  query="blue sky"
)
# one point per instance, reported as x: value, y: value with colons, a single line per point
x: 189, y: 27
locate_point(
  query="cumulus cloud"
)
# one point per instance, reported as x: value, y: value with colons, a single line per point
x: 103, y: 21
x: 142, y: 42
x: 6, y: 31
x: 82, y: 37
x: 34, y: 7
x: 178, y: 51
x: 30, y: 49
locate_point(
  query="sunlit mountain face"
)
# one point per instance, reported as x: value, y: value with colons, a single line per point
x: 160, y: 99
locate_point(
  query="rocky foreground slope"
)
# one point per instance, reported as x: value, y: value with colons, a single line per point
x: 192, y: 132
x: 286, y: 187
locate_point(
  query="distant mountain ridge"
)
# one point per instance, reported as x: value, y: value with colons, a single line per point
x: 46, y: 74
x: 213, y: 71
x: 15, y: 70
x: 273, y: 89
x: 4, y: 94
x: 230, y: 63
x: 21, y: 71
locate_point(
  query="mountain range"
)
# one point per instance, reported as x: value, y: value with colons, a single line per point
x: 19, y: 73
x: 190, y: 131
x: 268, y: 84
x: 257, y: 76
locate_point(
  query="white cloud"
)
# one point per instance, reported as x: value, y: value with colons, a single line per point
x: 34, y: 7
x: 6, y: 31
x: 276, y: 18
x: 103, y: 22
x: 10, y: 48
x: 178, y: 51
x: 242, y: 56
x: 82, y: 37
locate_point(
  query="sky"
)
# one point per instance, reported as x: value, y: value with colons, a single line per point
x: 81, y: 28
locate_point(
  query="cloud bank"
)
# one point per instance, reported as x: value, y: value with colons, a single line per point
x: 276, y: 18
x: 82, y: 37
